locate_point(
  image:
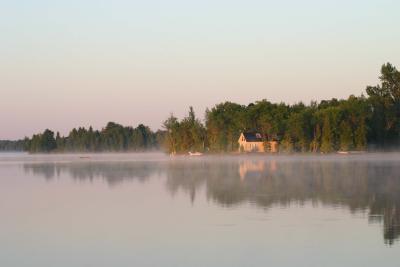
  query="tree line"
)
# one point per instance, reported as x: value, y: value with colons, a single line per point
x: 370, y: 121
x: 8, y: 145
x: 113, y: 138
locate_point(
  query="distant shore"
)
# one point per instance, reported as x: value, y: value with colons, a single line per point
x: 369, y: 122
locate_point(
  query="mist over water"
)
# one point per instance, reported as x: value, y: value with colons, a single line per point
x: 155, y: 210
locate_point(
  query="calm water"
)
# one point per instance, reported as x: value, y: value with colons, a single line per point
x: 152, y: 210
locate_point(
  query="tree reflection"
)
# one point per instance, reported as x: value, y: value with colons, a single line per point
x: 112, y: 172
x: 361, y: 185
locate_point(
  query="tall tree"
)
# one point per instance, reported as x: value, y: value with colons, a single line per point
x: 327, y: 136
x: 346, y: 136
x: 385, y: 104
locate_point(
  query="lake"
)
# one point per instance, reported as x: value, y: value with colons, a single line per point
x: 154, y: 210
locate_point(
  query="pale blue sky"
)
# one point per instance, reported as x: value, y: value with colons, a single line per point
x: 65, y: 64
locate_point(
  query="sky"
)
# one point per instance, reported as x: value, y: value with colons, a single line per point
x: 66, y: 64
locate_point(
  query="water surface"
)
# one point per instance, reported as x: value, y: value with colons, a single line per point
x: 153, y: 210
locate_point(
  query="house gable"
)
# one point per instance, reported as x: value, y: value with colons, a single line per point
x: 251, y: 142
x: 254, y: 142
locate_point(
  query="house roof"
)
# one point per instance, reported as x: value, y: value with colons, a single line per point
x: 253, y: 137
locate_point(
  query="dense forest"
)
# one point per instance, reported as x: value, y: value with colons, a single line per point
x: 7, y: 145
x: 356, y: 123
x: 366, y: 122
x: 113, y: 138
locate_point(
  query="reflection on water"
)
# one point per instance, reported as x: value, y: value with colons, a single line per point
x: 360, y: 184
x: 112, y: 172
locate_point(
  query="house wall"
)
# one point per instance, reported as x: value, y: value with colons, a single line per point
x: 251, y: 146
x: 272, y: 146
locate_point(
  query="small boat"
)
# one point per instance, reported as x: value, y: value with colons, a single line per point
x: 195, y: 154
x: 351, y: 152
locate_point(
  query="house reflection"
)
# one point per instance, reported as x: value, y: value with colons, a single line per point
x: 251, y: 168
x: 370, y: 187
x: 256, y: 168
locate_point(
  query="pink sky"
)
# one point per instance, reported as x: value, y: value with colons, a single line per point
x: 66, y: 65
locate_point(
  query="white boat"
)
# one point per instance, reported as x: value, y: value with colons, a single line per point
x: 195, y: 154
x: 351, y: 152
